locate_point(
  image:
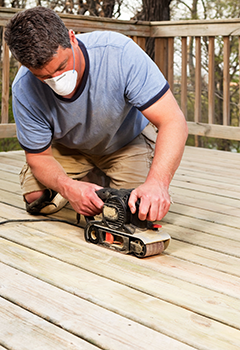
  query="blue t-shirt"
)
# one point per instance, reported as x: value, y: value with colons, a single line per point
x: 120, y: 81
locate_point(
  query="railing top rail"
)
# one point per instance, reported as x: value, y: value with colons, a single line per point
x: 218, y: 27
x: 224, y: 27
x: 81, y: 23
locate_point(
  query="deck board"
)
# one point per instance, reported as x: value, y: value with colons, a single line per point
x: 82, y: 296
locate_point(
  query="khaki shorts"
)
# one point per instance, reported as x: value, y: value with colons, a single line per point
x: 126, y: 168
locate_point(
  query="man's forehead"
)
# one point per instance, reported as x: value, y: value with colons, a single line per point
x: 56, y: 63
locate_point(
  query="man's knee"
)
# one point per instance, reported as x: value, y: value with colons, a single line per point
x: 44, y: 202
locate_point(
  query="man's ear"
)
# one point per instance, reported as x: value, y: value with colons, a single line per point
x: 72, y: 37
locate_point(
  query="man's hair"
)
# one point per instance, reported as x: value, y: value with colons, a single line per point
x: 34, y: 36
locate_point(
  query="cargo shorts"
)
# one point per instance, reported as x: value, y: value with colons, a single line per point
x: 125, y: 168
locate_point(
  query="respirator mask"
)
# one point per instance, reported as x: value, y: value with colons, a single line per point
x: 65, y: 83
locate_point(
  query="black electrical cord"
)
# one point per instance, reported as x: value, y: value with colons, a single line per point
x: 40, y: 220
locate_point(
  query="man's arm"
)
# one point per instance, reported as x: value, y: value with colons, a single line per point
x: 166, y: 115
x: 81, y: 195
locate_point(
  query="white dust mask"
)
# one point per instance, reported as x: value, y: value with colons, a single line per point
x: 65, y: 83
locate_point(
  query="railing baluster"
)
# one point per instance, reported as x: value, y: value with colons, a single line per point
x: 170, y: 75
x: 211, y: 87
x: 198, y: 81
x: 5, y: 82
x: 184, y: 77
x: 226, y: 80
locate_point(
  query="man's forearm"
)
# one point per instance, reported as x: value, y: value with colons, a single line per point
x: 168, y: 151
x: 49, y: 172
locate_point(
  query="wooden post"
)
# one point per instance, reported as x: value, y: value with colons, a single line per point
x: 141, y: 41
x: 198, y: 84
x: 226, y: 80
x: 184, y: 77
x: 5, y: 82
x: 161, y: 55
x: 211, y: 88
x: 170, y: 75
x: 198, y: 81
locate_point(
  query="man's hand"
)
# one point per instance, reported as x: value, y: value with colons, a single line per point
x: 83, y: 198
x: 81, y: 195
x: 154, y: 200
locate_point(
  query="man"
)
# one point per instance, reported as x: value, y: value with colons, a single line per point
x: 91, y: 100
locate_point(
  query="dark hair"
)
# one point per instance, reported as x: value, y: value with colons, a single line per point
x: 34, y: 36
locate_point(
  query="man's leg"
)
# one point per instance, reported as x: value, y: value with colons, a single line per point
x: 129, y: 167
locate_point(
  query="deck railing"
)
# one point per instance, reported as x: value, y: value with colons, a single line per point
x: 168, y: 36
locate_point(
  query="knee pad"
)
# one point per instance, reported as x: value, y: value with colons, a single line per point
x: 50, y: 202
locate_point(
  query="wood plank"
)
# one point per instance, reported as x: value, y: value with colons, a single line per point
x: 219, y: 27
x: 226, y: 80
x: 88, y: 321
x: 5, y: 80
x: 213, y: 130
x: 170, y: 64
x: 13, y: 178
x: 177, y: 249
x: 202, y: 256
x: 7, y: 130
x: 211, y: 80
x: 204, y: 204
x: 198, y: 80
x: 198, y: 255
x: 206, y: 182
x: 207, y: 189
x: 184, y: 77
x: 195, y: 329
x: 211, y: 198
x: 155, y: 284
x: 193, y: 175
x: 8, y: 186
x: 81, y: 23
x: 14, y: 200
x: 20, y: 328
x: 196, y: 232
x: 213, y: 218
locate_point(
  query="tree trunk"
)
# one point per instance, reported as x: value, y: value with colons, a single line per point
x: 154, y: 10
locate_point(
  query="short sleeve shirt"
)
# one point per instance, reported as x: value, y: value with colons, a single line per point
x: 105, y: 114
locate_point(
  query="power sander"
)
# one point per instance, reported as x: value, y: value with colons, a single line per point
x: 123, y: 231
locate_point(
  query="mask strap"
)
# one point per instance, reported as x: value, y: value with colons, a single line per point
x: 73, y: 58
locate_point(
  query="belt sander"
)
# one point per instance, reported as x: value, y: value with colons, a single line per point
x: 123, y: 231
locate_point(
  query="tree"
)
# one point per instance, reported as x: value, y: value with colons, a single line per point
x: 153, y: 10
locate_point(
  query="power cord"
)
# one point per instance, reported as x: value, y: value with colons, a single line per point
x: 40, y: 220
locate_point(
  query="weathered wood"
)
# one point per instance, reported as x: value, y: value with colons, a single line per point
x: 211, y: 86
x: 184, y: 77
x: 198, y: 82
x: 221, y: 27
x: 149, y: 311
x: 188, y: 295
x: 213, y: 130
x: 5, y: 81
x: 161, y: 59
x: 226, y: 81
x: 170, y: 76
x: 7, y: 130
x: 23, y: 330
x: 89, y: 23
x: 88, y: 321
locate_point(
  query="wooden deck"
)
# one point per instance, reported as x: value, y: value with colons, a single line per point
x: 59, y: 292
